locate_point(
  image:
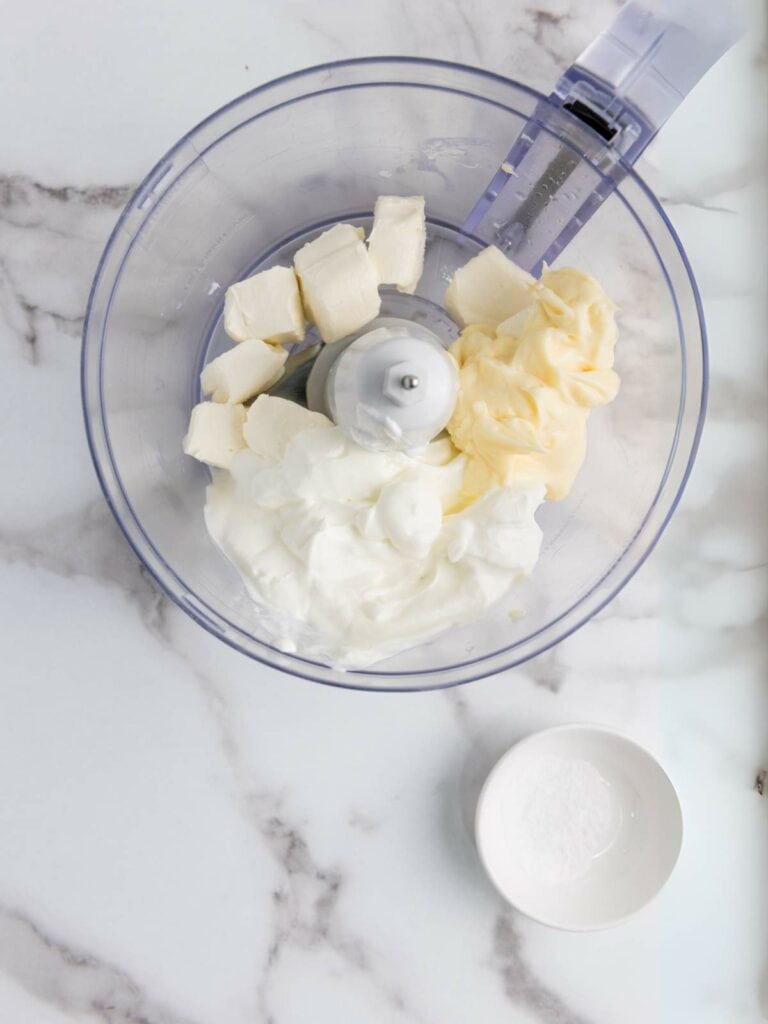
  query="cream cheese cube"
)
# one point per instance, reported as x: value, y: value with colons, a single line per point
x: 397, y: 240
x: 266, y: 306
x: 339, y: 283
x: 335, y: 238
x: 488, y: 289
x: 243, y: 371
x: 215, y: 433
x: 272, y: 423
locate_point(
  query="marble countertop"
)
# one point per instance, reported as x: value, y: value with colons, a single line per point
x: 189, y: 838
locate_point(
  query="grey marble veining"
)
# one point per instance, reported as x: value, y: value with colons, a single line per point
x: 72, y: 979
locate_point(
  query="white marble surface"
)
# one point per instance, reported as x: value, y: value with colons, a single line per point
x: 189, y: 838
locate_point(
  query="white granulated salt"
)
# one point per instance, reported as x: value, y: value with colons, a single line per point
x: 560, y: 814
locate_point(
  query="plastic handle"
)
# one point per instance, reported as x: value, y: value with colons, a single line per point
x: 654, y: 53
x: 599, y: 118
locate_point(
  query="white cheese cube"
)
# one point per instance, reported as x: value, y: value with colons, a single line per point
x: 335, y: 238
x: 243, y: 371
x: 215, y: 433
x: 272, y: 423
x: 488, y: 289
x: 397, y: 240
x: 267, y: 306
x: 339, y: 283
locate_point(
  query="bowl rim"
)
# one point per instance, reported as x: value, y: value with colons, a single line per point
x: 372, y: 679
x: 518, y: 750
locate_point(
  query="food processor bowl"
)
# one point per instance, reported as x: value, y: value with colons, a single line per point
x: 246, y: 188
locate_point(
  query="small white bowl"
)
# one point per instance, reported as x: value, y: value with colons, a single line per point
x: 578, y: 827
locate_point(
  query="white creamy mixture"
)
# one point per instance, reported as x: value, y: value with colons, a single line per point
x: 360, y: 553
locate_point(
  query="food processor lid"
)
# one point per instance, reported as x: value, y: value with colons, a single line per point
x: 391, y: 388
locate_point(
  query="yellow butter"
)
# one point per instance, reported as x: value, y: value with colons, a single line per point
x: 526, y: 387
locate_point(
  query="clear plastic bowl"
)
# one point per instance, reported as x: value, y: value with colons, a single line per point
x: 242, y: 191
